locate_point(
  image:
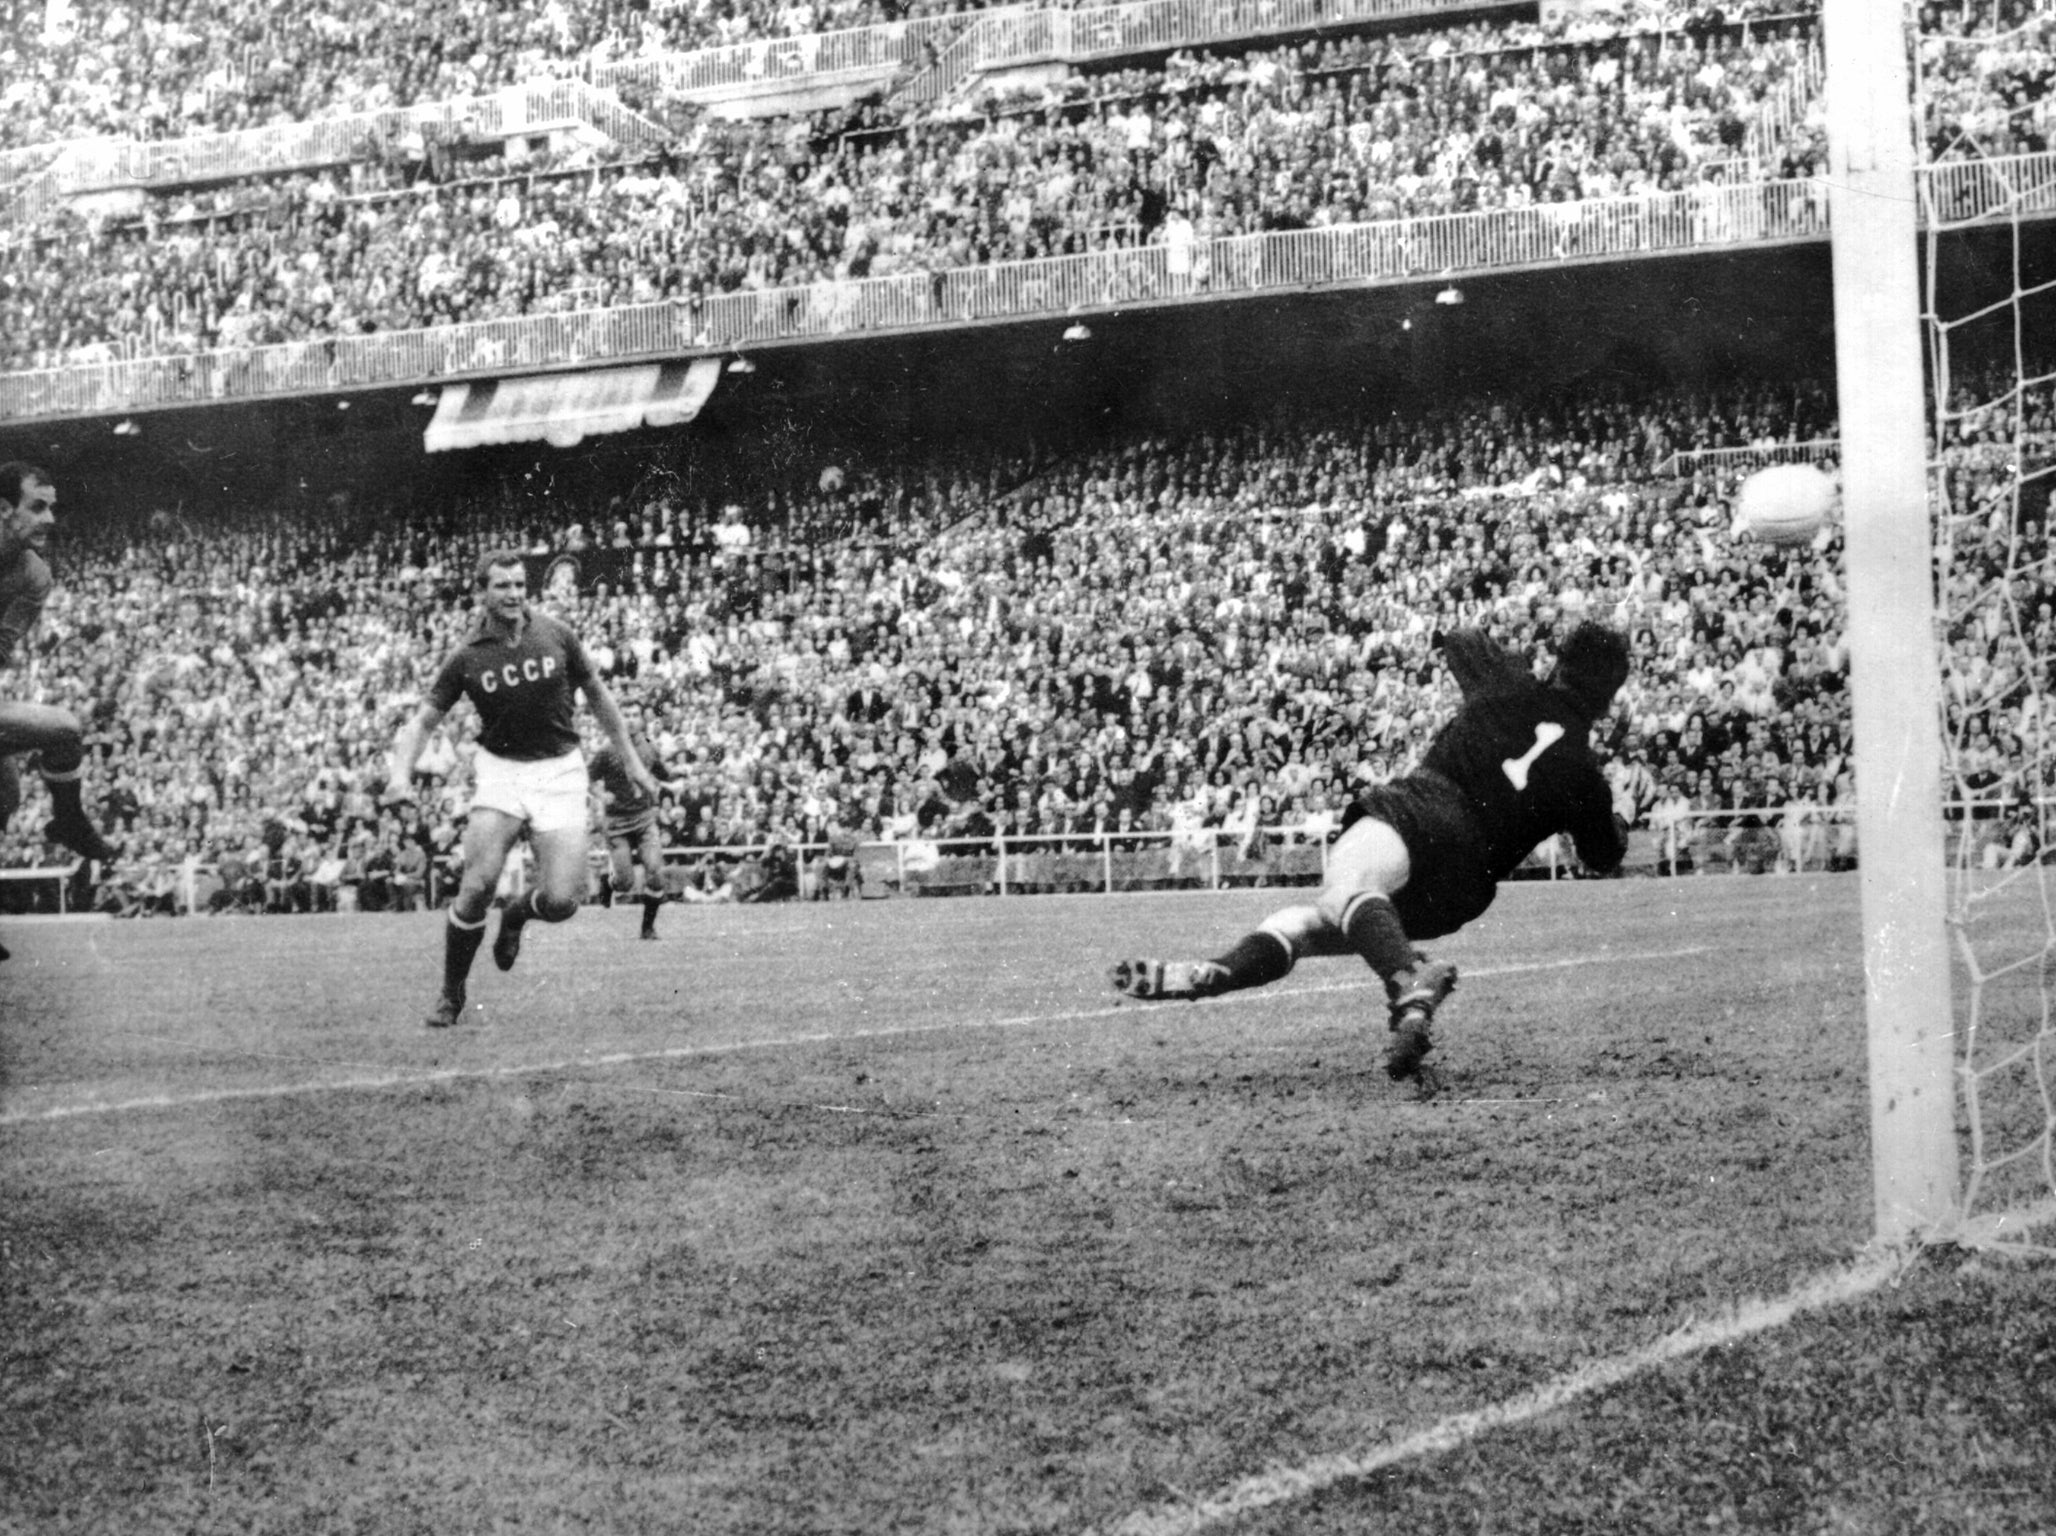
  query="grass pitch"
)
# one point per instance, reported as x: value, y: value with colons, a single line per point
x: 886, y: 1217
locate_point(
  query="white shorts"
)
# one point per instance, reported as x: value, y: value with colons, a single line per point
x: 549, y: 795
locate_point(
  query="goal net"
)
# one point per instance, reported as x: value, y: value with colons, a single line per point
x: 1986, y: 195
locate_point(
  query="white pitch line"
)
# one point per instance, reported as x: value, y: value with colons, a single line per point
x: 385, y: 1082
x: 1281, y: 1485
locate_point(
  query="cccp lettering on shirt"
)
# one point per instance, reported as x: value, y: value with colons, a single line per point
x: 522, y: 685
x: 532, y: 669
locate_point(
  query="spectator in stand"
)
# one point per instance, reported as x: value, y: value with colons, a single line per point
x: 157, y: 891
x: 409, y: 873
x: 234, y: 876
x: 1676, y: 833
x: 287, y: 879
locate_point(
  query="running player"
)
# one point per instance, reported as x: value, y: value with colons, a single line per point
x: 629, y: 819
x: 520, y: 669
x: 1423, y: 855
x: 28, y: 510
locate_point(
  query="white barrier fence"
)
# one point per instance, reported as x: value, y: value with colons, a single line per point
x: 1394, y: 251
x: 795, y: 61
x: 1728, y: 462
x: 26, y: 887
x: 1772, y: 840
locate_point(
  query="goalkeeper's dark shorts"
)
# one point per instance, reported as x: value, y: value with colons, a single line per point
x: 1448, y: 881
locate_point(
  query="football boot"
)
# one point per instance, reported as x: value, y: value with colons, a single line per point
x: 507, y: 942
x: 1167, y: 980
x: 1413, y: 1014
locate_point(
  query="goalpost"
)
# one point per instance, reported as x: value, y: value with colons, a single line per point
x: 1894, y: 666
x: 1951, y: 597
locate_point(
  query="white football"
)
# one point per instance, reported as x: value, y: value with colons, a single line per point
x: 1785, y: 504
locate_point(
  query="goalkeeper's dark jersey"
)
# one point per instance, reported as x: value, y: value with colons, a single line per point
x: 1511, y: 769
x: 1520, y: 751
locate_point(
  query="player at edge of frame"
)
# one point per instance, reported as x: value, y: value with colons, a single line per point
x: 28, y: 511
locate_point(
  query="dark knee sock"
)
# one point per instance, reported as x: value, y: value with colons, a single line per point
x: 460, y: 947
x: 1255, y: 960
x: 649, y: 906
x: 64, y: 781
x: 1371, y: 927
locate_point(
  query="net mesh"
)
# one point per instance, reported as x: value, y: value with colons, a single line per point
x: 1982, y: 84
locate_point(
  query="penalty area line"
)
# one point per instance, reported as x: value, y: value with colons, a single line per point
x: 1281, y: 1485
x: 386, y: 1082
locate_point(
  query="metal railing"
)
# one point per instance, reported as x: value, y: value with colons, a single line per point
x: 947, y: 65
x: 1001, y: 37
x: 1735, y: 461
x: 1114, y: 31
x: 1393, y: 251
x: 1759, y: 841
x: 737, y: 67
x: 28, y: 199
x: 1107, y: 862
x: 1784, y: 108
x: 1006, y: 865
x: 1810, y: 836
x: 58, y: 876
x: 1983, y: 191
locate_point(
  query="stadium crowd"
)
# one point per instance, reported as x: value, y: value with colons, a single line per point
x: 1225, y: 633
x: 83, y: 69
x: 1334, y: 131
x: 94, y: 68
x: 1985, y: 74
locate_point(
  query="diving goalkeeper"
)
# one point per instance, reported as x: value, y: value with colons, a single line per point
x: 1423, y: 855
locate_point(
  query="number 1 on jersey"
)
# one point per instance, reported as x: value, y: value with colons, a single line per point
x: 1547, y: 734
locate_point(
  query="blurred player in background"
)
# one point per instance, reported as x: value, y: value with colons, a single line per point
x: 628, y: 817
x: 1423, y: 855
x: 521, y: 670
x: 28, y: 510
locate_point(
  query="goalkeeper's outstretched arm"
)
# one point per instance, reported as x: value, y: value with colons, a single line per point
x: 1477, y: 661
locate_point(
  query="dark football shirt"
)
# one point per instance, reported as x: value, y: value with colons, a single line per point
x: 1520, y: 752
x: 24, y: 588
x: 1512, y: 768
x: 625, y: 800
x: 522, y: 688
